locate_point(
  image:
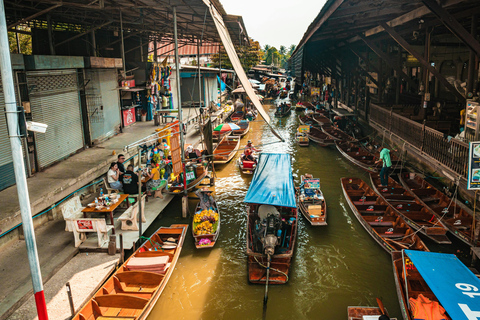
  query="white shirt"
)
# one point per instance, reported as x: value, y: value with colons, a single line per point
x: 110, y: 174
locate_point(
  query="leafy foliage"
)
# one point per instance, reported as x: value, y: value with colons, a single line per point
x: 249, y: 56
x: 25, y: 41
x: 277, y: 57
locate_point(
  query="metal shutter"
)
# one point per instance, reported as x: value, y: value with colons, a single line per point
x: 54, y: 100
x: 6, y: 162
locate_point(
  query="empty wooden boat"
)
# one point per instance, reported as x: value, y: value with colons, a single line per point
x: 434, y: 285
x: 320, y: 137
x: 336, y: 133
x: 357, y: 155
x: 226, y: 149
x: 321, y: 119
x: 358, y: 313
x: 311, y: 201
x: 455, y: 215
x: 384, y: 224
x: 271, y: 220
x: 415, y: 213
x: 306, y: 120
x: 244, y: 127
x: 132, y: 291
x: 206, y: 225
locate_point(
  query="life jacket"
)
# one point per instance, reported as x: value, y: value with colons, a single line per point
x: 425, y: 309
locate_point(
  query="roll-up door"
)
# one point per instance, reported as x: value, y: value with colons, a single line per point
x: 54, y: 100
x: 7, y: 175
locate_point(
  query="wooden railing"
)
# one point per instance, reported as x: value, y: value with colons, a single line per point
x: 451, y: 153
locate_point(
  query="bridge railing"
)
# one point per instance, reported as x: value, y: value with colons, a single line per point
x: 451, y: 153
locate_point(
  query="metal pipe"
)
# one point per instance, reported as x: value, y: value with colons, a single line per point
x: 19, y: 166
x: 94, y: 44
x: 200, y: 90
x: 50, y: 34
x: 123, y: 46
x: 19, y: 50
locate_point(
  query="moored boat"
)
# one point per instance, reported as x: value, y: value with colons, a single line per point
x: 455, y: 215
x: 132, y: 291
x: 358, y: 156
x: 359, y: 313
x: 321, y: 119
x: 384, y: 224
x: 300, y: 106
x: 226, y: 149
x: 301, y: 136
x: 206, y: 224
x: 282, y: 111
x: 434, y: 285
x: 244, y: 127
x: 320, y: 137
x: 336, y: 133
x: 272, y: 220
x: 247, y: 166
x: 306, y: 120
x: 195, y: 174
x: 237, y: 116
x: 413, y: 211
x: 311, y: 201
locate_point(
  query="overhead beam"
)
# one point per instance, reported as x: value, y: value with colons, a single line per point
x: 405, y: 45
x: 33, y: 16
x: 83, y: 33
x: 379, y: 52
x: 453, y: 25
x: 365, y: 59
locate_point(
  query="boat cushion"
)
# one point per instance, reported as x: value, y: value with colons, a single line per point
x: 315, y: 210
x: 248, y: 164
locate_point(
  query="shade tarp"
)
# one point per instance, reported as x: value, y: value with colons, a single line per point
x: 237, y: 66
x: 455, y: 286
x: 272, y: 182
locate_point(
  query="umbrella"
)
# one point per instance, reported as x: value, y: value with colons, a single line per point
x: 226, y: 127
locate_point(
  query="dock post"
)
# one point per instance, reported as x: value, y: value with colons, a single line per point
x: 70, y: 299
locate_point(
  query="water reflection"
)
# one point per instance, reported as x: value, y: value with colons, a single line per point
x: 334, y: 266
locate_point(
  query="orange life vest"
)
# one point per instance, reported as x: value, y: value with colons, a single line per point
x: 425, y: 309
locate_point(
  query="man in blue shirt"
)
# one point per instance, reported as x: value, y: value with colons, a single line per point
x: 387, y: 165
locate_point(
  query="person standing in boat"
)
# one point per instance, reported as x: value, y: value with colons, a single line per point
x: 387, y: 165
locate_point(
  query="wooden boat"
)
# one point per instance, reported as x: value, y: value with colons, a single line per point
x: 357, y: 313
x: 244, y: 127
x: 321, y: 119
x: 455, y: 215
x: 311, y: 202
x: 247, y: 167
x: 358, y: 156
x: 384, y: 224
x: 320, y: 137
x: 442, y: 279
x: 204, y: 236
x: 272, y: 220
x: 217, y: 135
x: 237, y: 116
x: 226, y: 149
x: 133, y: 290
x: 413, y: 211
x: 300, y: 106
x: 283, y: 113
x: 306, y: 120
x: 177, y: 188
x: 334, y: 132
x: 302, y: 139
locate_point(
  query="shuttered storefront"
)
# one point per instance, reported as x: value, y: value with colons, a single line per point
x: 54, y: 100
x: 103, y: 103
x: 7, y: 175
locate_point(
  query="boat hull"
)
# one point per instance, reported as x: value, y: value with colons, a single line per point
x: 212, y: 237
x: 226, y: 150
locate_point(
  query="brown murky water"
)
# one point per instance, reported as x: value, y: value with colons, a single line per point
x: 334, y: 267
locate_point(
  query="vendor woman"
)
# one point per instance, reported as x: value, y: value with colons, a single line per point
x: 154, y: 176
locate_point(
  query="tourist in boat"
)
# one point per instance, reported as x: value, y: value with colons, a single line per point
x: 113, y: 177
x: 206, y: 200
x: 387, y: 165
x: 130, y: 181
x: 154, y: 176
x: 250, y: 147
x: 247, y: 156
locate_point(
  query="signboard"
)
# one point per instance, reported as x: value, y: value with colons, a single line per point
x: 85, y: 224
x: 471, y: 115
x: 190, y: 174
x: 314, y: 91
x: 473, y: 182
x: 128, y: 116
x: 303, y: 128
x: 127, y: 83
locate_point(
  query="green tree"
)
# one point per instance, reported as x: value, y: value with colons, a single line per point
x: 249, y: 56
x: 283, y: 50
x: 266, y: 47
x: 25, y: 41
x: 291, y: 49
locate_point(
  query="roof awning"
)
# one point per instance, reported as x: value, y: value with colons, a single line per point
x: 272, y: 182
x: 455, y: 286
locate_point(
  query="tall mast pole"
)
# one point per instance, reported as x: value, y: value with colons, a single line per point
x: 19, y: 167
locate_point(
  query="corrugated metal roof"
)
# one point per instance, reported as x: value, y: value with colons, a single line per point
x: 185, y: 50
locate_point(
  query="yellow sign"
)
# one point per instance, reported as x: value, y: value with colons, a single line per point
x: 304, y: 128
x: 314, y: 91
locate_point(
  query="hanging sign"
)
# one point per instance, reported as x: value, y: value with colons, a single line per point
x: 474, y: 166
x: 314, y: 91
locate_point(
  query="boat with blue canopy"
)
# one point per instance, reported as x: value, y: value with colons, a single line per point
x: 434, y: 285
x: 272, y: 220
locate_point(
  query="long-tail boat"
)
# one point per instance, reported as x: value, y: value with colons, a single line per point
x: 336, y: 133
x: 306, y: 120
x: 199, y: 173
x: 132, y: 291
x: 434, y: 285
x: 226, y: 149
x: 413, y: 211
x: 206, y: 225
x: 385, y: 225
x: 244, y: 127
x: 272, y: 220
x: 311, y: 202
x: 318, y: 136
x: 282, y: 112
x: 455, y: 215
x: 321, y: 119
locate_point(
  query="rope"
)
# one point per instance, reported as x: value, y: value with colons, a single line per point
x: 151, y: 242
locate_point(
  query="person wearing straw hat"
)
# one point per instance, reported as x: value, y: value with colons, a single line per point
x: 206, y: 199
x: 250, y: 147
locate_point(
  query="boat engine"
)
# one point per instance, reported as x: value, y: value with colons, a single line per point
x: 270, y: 240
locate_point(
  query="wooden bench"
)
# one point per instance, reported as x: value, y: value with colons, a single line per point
x: 129, y: 218
x: 107, y: 187
x: 71, y: 210
x: 85, y: 225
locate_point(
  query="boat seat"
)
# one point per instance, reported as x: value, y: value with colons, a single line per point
x: 115, y: 318
x: 248, y: 164
x: 418, y: 215
x: 113, y: 304
x: 315, y: 210
x: 138, y: 281
x: 425, y: 192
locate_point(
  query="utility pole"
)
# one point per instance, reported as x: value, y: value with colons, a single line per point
x: 19, y: 166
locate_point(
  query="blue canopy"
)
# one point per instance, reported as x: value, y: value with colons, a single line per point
x: 273, y: 181
x: 455, y: 286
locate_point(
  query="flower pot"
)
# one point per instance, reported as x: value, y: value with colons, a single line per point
x: 144, y: 118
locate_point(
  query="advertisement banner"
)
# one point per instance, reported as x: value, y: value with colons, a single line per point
x: 473, y: 182
x: 303, y: 128
x: 128, y: 116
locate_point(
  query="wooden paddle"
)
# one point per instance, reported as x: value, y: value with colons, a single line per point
x: 384, y: 315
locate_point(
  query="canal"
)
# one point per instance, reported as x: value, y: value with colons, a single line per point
x: 334, y: 267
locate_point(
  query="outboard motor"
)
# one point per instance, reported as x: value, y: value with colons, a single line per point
x: 270, y: 240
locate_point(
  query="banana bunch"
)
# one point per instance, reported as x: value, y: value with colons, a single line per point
x: 204, y: 228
